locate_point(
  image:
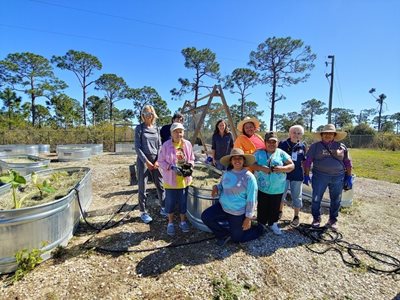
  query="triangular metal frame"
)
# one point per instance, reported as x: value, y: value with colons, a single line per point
x: 189, y: 107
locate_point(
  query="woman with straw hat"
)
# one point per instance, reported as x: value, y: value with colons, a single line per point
x: 237, y: 201
x: 249, y: 141
x: 331, y: 168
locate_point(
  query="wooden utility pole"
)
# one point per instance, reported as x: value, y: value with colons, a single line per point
x: 332, y: 57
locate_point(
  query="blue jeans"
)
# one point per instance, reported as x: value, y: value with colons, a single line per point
x: 296, y: 189
x: 319, y: 184
x: 174, y: 196
x: 215, y: 214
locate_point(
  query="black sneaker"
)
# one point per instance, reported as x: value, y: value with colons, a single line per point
x: 295, y: 222
x: 221, y: 242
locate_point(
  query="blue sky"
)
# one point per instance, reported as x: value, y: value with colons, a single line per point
x: 141, y: 41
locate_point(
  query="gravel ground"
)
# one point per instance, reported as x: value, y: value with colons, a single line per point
x: 272, y: 267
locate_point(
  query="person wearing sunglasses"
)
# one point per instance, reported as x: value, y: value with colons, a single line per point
x: 147, y: 146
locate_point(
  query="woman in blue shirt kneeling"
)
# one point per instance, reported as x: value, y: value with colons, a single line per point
x: 237, y: 201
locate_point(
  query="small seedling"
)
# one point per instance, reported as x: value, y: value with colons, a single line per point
x: 43, y: 187
x: 15, y: 179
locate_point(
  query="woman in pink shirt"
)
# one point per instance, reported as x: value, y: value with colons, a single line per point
x: 176, y: 160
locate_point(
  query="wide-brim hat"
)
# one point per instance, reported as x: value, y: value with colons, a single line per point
x: 248, y: 120
x: 248, y: 158
x: 339, y: 135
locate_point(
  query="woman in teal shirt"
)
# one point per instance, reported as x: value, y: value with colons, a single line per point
x: 270, y: 168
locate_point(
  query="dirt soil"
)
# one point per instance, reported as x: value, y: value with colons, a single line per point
x: 143, y: 262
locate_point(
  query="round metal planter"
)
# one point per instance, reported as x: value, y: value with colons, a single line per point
x: 122, y: 148
x: 52, y: 223
x: 199, y: 198
x: 72, y: 153
x: 19, y: 149
x: 44, y: 148
x: 95, y: 149
x: 23, y: 164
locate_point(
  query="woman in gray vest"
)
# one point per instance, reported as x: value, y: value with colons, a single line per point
x: 147, y: 146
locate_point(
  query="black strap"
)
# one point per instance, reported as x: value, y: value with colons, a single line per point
x: 330, y: 152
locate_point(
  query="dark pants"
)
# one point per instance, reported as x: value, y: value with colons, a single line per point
x: 143, y: 175
x: 215, y: 214
x: 268, y: 208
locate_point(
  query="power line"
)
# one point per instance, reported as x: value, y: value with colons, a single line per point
x: 144, y: 22
x: 125, y: 43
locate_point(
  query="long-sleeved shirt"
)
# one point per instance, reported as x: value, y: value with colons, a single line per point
x: 238, y: 193
x: 167, y: 158
x: 147, y: 143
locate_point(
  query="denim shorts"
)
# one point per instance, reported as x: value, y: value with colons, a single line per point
x: 175, y: 197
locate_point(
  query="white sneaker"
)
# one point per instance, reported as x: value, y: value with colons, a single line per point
x: 275, y: 229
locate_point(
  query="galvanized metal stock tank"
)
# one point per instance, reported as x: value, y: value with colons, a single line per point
x: 53, y: 223
x: 35, y: 163
x: 199, y: 199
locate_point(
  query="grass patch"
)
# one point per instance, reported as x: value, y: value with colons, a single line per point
x: 376, y: 164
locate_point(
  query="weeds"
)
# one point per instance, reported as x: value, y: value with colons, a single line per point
x: 225, y: 289
x: 27, y: 261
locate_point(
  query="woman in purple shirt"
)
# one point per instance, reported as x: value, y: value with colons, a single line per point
x: 331, y: 167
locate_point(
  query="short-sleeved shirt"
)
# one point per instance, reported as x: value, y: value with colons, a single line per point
x: 273, y: 183
x: 328, y: 158
x: 297, y: 151
x: 222, y: 144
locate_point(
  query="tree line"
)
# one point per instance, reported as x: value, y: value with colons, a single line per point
x: 276, y: 63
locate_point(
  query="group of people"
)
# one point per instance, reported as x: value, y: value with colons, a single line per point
x: 257, y: 175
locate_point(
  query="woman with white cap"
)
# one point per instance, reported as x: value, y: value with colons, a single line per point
x: 176, y: 161
x: 331, y: 168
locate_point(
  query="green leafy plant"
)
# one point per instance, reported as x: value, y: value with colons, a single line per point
x: 27, y: 261
x: 225, y: 289
x: 15, y: 179
x: 44, y: 186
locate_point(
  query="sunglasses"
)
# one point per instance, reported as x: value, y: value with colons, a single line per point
x: 147, y: 114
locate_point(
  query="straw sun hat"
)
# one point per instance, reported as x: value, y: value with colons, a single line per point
x: 248, y: 158
x: 339, y: 135
x: 248, y: 120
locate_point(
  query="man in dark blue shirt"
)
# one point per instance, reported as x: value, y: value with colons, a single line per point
x: 165, y: 130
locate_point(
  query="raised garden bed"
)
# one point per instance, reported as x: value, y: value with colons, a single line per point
x: 199, y: 193
x: 50, y: 219
x: 23, y: 164
x: 19, y: 149
x: 72, y: 153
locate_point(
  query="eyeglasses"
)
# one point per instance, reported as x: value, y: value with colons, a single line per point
x: 147, y: 114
